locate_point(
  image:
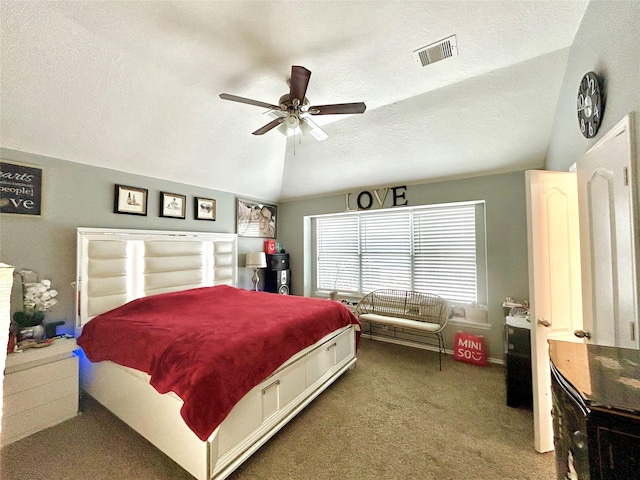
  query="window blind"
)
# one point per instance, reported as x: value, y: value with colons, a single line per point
x: 386, y: 251
x: 431, y: 249
x: 445, y: 252
x: 338, y: 262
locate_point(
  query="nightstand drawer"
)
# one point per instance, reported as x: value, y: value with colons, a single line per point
x: 39, y: 397
x: 42, y: 375
x: 16, y: 427
x: 41, y: 394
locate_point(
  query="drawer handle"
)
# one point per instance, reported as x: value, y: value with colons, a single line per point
x: 264, y: 390
x: 334, y: 344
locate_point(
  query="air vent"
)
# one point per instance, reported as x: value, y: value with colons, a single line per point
x: 441, y: 50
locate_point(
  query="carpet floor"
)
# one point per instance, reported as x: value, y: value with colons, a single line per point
x: 395, y: 416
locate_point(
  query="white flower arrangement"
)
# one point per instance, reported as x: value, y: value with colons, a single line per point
x: 38, y: 297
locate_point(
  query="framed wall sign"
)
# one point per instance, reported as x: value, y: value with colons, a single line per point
x: 20, y: 189
x: 256, y: 219
x: 204, y: 209
x: 172, y: 205
x: 130, y: 200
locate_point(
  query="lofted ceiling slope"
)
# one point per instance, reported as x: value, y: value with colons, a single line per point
x: 134, y: 86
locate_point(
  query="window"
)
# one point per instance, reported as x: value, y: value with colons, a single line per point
x: 434, y: 249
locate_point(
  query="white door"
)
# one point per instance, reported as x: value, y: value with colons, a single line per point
x: 605, y: 195
x: 554, y: 282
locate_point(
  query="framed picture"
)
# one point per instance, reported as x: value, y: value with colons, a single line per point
x: 20, y: 189
x: 256, y: 219
x: 204, y: 209
x: 172, y: 205
x: 130, y: 200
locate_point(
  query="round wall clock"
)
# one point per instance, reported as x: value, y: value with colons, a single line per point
x: 589, y: 105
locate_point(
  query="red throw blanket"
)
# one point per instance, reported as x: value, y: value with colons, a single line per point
x: 210, y: 345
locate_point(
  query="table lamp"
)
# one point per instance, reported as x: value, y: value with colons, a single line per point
x: 256, y: 260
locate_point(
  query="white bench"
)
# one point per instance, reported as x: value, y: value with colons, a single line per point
x: 424, y: 313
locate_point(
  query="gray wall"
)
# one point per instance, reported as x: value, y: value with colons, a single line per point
x: 608, y: 43
x: 76, y: 195
x: 506, y: 225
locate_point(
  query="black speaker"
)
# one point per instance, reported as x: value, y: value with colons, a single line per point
x: 278, y: 261
x: 277, y: 281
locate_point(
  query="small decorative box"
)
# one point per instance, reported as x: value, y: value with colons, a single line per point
x: 270, y: 247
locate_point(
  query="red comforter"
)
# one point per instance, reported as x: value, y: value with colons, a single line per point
x: 210, y: 345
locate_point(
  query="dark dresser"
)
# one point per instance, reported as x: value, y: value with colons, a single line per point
x: 596, y: 411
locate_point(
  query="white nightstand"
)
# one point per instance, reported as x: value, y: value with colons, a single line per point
x: 40, y: 389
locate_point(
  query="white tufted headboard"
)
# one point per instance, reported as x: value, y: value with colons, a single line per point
x: 116, y: 266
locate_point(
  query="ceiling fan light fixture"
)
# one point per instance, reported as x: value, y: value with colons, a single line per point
x: 284, y: 130
x: 289, y: 125
x: 305, y: 128
x: 292, y: 121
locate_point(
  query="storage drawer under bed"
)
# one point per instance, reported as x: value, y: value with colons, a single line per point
x: 320, y: 362
x: 282, y: 388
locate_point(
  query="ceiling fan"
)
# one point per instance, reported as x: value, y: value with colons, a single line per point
x: 294, y: 110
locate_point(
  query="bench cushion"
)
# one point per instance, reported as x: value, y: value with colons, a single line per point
x: 400, y: 322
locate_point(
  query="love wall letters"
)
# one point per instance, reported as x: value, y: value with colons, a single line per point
x: 365, y: 199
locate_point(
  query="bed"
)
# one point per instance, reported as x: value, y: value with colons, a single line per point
x: 121, y: 271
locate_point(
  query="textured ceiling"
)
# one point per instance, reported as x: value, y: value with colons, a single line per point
x: 134, y: 86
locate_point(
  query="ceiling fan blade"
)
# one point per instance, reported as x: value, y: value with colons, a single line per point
x: 299, y: 81
x: 272, y: 124
x: 257, y: 103
x: 338, y: 108
x: 276, y: 113
x: 314, y: 129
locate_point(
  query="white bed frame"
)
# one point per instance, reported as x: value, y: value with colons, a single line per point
x: 116, y: 266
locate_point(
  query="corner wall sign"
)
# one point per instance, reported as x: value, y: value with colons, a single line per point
x: 20, y: 189
x: 364, y: 200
